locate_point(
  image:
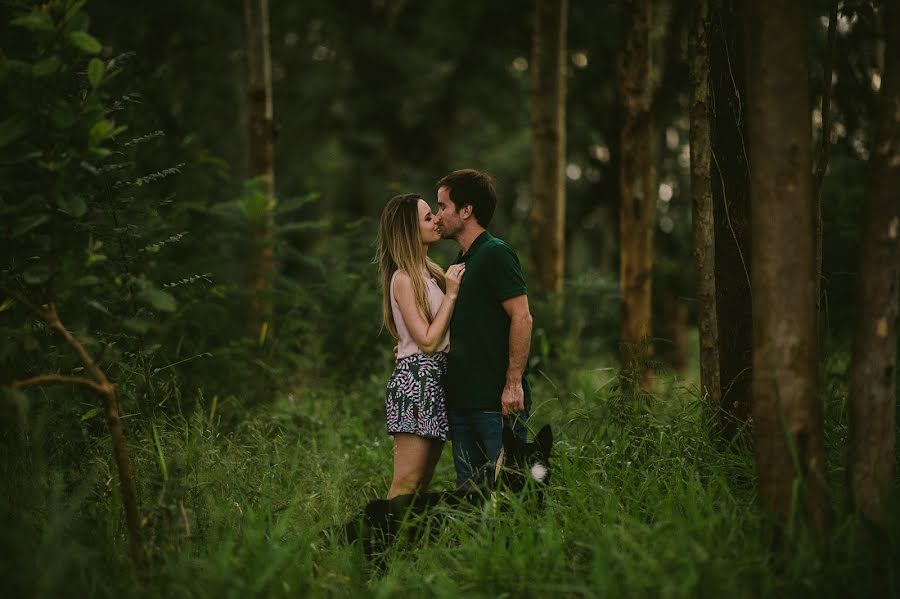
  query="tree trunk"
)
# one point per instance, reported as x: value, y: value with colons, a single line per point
x: 262, y: 153
x: 787, y: 413
x: 731, y: 210
x: 637, y: 207
x: 703, y: 240
x: 548, y: 144
x: 873, y: 372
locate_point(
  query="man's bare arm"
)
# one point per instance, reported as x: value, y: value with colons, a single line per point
x: 513, y: 398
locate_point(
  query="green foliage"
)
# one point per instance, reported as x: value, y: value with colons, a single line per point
x: 582, y: 323
x: 247, y: 446
x: 82, y: 225
x: 642, y: 502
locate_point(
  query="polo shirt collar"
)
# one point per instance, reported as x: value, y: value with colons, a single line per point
x: 479, y: 241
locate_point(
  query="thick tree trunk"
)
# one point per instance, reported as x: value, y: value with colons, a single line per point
x: 548, y: 144
x: 731, y: 208
x: 637, y: 206
x: 262, y: 161
x: 787, y: 413
x: 703, y: 240
x: 874, y: 367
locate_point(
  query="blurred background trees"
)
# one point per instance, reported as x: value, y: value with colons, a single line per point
x: 139, y: 147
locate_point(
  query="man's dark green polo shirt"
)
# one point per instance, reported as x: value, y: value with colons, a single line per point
x: 479, y: 329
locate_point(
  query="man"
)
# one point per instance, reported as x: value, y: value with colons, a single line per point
x: 490, y: 332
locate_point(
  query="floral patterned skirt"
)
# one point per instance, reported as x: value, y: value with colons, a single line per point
x: 415, y: 402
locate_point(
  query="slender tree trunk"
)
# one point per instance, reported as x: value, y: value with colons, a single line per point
x: 787, y: 413
x: 874, y: 367
x: 637, y: 206
x: 548, y: 144
x: 107, y: 391
x: 703, y: 240
x: 262, y: 160
x: 731, y: 210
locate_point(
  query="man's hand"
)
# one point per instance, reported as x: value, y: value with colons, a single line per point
x: 513, y: 398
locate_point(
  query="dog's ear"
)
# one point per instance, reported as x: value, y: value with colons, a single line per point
x: 512, y: 447
x: 544, y: 441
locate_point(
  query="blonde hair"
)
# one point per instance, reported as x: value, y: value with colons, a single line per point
x: 400, y: 248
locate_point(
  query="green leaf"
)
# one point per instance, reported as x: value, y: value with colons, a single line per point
x: 36, y: 20
x: 79, y: 21
x: 45, y: 67
x: 94, y: 258
x: 92, y: 413
x: 101, y: 130
x: 73, y: 205
x: 96, y: 68
x: 87, y: 280
x: 36, y: 275
x: 85, y: 42
x: 136, y: 325
x: 73, y: 9
x: 157, y: 299
x: 12, y: 129
x: 62, y: 116
x: 97, y: 306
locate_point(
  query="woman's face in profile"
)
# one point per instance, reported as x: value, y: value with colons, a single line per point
x: 428, y: 231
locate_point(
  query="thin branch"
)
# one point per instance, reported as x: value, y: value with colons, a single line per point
x: 52, y: 318
x: 58, y: 378
x: 89, y: 364
x: 38, y: 311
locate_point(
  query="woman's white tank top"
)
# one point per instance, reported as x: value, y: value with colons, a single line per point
x: 406, y: 345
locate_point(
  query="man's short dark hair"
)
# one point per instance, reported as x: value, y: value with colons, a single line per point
x: 468, y: 187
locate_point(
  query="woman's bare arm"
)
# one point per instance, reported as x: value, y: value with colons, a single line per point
x: 427, y: 335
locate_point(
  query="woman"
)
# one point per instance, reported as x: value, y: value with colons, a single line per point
x: 418, y: 300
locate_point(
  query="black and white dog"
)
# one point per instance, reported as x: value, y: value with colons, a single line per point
x: 519, y: 466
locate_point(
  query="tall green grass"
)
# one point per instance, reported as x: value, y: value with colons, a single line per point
x: 643, y: 501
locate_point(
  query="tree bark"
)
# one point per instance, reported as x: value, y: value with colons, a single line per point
x: 637, y: 207
x: 548, y: 144
x: 873, y: 371
x: 262, y: 161
x: 703, y: 234
x: 787, y: 413
x: 731, y: 210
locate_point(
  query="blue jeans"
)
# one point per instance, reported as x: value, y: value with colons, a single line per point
x: 477, y: 437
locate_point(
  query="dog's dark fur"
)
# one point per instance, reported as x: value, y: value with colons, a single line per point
x: 378, y: 525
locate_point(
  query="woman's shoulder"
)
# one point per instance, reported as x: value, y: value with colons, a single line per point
x: 401, y: 278
x: 400, y: 275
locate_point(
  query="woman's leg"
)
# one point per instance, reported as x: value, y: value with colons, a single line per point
x: 436, y: 446
x: 411, y: 458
